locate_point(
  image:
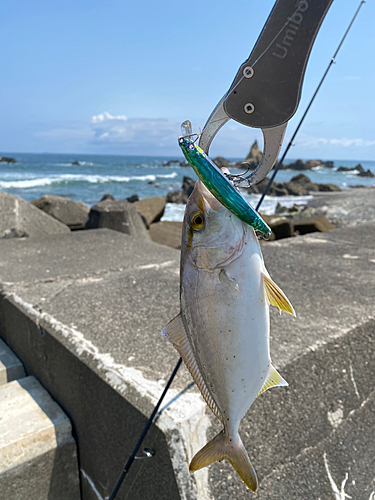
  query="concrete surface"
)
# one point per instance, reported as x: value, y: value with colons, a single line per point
x: 11, y: 367
x: 348, y: 207
x: 89, y: 307
x: 38, y: 458
x: 21, y: 219
x: 348, y: 453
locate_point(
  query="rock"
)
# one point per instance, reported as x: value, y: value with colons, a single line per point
x: 76, y: 163
x: 294, y: 211
x: 327, y: 164
x: 21, y: 219
x: 296, y: 189
x: 151, y: 209
x: 72, y: 213
x: 133, y: 198
x: 299, y: 185
x: 345, y: 169
x: 222, y: 162
x: 358, y: 167
x: 312, y: 224
x: 304, y: 181
x: 188, y: 185
x: 312, y: 164
x: 278, y: 189
x: 118, y: 215
x: 174, y: 163
x: 254, y: 155
x: 368, y: 173
x: 167, y: 233
x: 181, y: 197
x: 177, y: 197
x: 328, y: 187
x: 296, y: 165
x: 258, y: 188
x: 107, y: 196
x: 7, y: 159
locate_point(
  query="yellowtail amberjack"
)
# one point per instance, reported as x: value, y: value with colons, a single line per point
x: 222, y: 331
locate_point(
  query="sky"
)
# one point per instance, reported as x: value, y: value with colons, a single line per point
x: 119, y: 77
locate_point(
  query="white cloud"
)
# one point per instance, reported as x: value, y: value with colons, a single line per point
x: 135, y: 132
x: 103, y: 117
x: 317, y: 142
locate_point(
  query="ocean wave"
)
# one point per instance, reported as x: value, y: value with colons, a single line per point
x: 72, y: 178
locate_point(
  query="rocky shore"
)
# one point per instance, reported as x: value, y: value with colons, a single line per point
x: 141, y: 219
x: 50, y: 214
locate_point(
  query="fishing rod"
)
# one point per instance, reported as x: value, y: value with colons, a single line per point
x: 157, y: 406
x: 143, y: 435
x: 332, y: 61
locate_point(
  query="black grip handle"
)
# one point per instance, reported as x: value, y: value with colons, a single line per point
x: 267, y: 88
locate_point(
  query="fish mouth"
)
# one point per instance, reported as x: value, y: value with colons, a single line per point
x: 208, y: 200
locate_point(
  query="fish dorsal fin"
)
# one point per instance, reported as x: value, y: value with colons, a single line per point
x: 273, y: 379
x: 175, y: 332
x: 276, y: 296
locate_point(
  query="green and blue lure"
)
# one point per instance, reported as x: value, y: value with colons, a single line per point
x: 221, y: 187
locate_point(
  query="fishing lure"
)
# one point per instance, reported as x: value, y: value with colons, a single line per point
x: 221, y: 187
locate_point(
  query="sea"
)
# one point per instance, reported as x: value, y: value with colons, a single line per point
x: 122, y: 176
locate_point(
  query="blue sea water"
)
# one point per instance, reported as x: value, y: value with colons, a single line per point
x: 36, y: 174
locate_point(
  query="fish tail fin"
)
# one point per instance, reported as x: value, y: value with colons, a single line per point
x: 233, y: 450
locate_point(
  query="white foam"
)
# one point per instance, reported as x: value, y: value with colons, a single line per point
x: 93, y: 179
x: 269, y: 203
x: 173, y: 212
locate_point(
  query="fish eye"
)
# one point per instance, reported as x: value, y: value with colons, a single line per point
x: 197, y: 221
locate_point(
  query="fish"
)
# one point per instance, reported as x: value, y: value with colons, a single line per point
x: 220, y: 186
x: 222, y: 330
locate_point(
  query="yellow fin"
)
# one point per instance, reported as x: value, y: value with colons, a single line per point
x: 276, y: 296
x: 222, y: 448
x: 175, y: 332
x: 273, y: 379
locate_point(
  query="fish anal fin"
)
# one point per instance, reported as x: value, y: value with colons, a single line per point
x: 273, y: 379
x: 175, y: 332
x: 276, y: 296
x: 222, y: 448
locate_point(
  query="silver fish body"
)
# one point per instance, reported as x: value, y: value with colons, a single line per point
x: 222, y: 332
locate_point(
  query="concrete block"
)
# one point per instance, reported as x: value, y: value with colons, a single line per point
x: 21, y: 219
x: 11, y: 367
x: 119, y: 215
x: 151, y: 209
x: 72, y: 213
x: 89, y: 329
x: 346, y: 455
x: 167, y: 233
x: 38, y: 458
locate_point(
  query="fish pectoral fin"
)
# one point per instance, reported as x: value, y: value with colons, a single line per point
x: 276, y: 296
x: 175, y: 332
x: 273, y: 379
x: 228, y: 281
x: 222, y: 448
